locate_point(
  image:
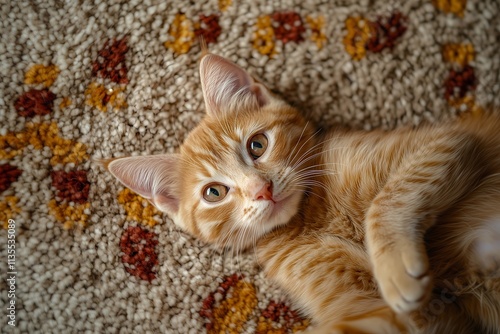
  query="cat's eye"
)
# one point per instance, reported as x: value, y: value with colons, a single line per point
x: 215, y: 192
x: 257, y: 145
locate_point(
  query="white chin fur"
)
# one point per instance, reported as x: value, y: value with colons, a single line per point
x: 272, y: 221
x: 284, y: 214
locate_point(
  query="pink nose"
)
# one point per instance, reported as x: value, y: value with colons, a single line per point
x: 266, y: 192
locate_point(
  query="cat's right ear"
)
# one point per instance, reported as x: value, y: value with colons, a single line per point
x: 226, y: 86
x: 154, y: 177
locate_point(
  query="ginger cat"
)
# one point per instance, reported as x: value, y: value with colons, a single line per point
x: 368, y: 232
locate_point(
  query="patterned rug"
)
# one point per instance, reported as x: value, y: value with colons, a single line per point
x: 90, y: 79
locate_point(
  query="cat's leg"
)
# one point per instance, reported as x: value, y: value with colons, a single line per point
x: 464, y: 250
x: 426, y: 183
x: 329, y: 277
x: 381, y: 321
x: 474, y: 231
x: 453, y: 319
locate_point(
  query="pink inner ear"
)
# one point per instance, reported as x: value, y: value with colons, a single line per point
x: 262, y: 98
x: 226, y: 84
x: 153, y: 177
x: 166, y: 203
x: 129, y: 171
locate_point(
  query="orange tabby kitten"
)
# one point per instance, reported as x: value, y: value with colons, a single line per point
x: 369, y: 232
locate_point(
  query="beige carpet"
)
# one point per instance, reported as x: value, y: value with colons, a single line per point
x: 89, y: 79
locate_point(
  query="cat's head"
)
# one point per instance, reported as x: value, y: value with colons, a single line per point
x: 240, y: 173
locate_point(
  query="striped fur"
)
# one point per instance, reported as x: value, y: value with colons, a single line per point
x: 399, y: 227
x: 369, y: 232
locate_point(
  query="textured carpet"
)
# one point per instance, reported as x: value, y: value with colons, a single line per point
x: 82, y: 80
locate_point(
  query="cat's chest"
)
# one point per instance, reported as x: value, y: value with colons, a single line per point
x: 357, y: 168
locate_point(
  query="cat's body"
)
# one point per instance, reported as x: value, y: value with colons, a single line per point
x: 369, y: 232
x: 322, y: 259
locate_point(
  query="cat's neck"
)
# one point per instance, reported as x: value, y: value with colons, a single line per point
x: 307, y: 220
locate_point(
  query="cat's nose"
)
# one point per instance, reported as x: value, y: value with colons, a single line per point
x: 266, y: 192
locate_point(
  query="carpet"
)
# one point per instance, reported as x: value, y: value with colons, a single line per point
x: 90, y: 79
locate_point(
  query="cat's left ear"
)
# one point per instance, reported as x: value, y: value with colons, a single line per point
x: 226, y: 86
x: 154, y: 177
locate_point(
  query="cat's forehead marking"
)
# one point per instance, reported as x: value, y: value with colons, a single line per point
x: 231, y: 141
x: 219, y: 147
x: 238, y: 132
x: 215, y: 158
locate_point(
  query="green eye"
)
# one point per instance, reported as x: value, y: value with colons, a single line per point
x: 215, y: 192
x: 257, y: 145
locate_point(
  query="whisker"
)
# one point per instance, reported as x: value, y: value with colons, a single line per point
x: 312, y: 156
x: 311, y: 149
x: 298, y: 141
x: 320, y: 165
x: 320, y: 144
x: 292, y: 155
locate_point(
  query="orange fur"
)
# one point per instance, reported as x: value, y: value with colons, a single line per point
x: 369, y: 232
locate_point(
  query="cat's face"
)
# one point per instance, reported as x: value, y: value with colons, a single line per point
x: 240, y: 173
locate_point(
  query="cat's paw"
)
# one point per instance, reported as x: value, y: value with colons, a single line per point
x: 402, y: 274
x: 489, y: 261
x: 487, y: 248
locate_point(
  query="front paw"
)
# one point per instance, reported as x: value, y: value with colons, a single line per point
x: 487, y: 248
x: 403, y: 276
